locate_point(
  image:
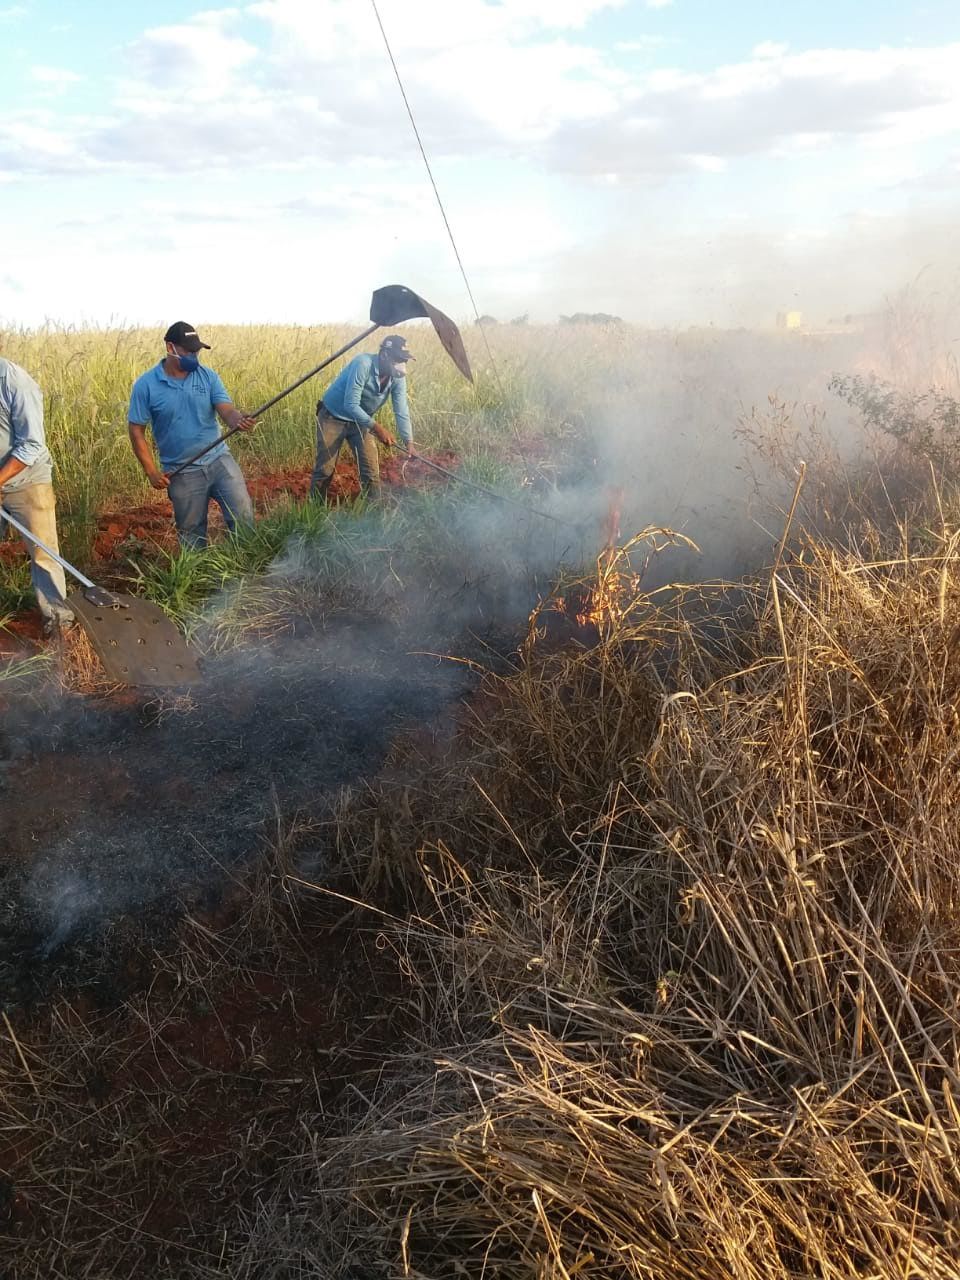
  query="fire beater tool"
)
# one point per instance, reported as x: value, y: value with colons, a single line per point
x: 491, y: 493
x: 391, y: 305
x: 135, y: 640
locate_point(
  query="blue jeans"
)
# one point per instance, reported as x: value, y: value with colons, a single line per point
x: 192, y: 490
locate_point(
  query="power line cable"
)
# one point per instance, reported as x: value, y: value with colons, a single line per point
x: 436, y: 192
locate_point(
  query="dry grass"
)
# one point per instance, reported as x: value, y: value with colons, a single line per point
x: 148, y: 1113
x: 672, y: 924
x: 691, y: 985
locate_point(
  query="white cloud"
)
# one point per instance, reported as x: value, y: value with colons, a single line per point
x: 640, y: 44
x: 54, y: 80
x: 317, y: 88
x: 891, y: 97
x: 306, y: 84
x: 425, y: 24
x: 34, y: 142
x: 197, y: 57
x: 658, y: 4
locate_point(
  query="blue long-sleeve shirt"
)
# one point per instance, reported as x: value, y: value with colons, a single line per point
x: 355, y: 395
x: 21, y: 427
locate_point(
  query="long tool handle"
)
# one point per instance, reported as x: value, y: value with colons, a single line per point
x: 257, y: 413
x: 32, y: 537
x: 482, y: 488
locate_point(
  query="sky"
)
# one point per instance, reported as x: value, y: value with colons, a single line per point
x: 673, y: 162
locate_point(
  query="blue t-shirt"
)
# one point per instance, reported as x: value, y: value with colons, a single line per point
x: 180, y: 412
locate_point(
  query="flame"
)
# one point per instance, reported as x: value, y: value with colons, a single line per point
x: 600, y: 605
x: 603, y: 600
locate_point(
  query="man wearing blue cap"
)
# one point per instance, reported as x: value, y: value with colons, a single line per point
x: 180, y: 399
x: 345, y: 415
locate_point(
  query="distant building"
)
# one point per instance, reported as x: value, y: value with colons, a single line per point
x: 789, y: 319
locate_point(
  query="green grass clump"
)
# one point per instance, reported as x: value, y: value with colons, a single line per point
x: 15, y: 590
x: 181, y: 581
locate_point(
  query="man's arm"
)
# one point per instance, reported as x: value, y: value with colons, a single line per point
x: 401, y: 411
x: 138, y: 415
x: 144, y: 455
x: 352, y: 408
x: 233, y: 417
x: 12, y: 467
x: 25, y: 406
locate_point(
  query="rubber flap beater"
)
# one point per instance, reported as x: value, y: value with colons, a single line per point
x: 136, y: 642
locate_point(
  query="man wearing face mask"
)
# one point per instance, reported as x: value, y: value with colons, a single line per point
x: 345, y: 414
x: 180, y: 399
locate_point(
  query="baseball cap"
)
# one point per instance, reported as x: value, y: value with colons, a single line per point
x: 396, y: 348
x: 185, y: 335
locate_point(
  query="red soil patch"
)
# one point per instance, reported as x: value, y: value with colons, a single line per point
x: 399, y: 470
x: 294, y: 482
x: 151, y: 523
x: 396, y: 471
x: 21, y: 634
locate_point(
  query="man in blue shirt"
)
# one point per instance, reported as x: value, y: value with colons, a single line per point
x: 345, y: 414
x: 180, y: 399
x: 26, y: 488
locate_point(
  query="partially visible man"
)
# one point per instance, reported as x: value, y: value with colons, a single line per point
x: 345, y: 414
x: 179, y: 398
x: 26, y: 489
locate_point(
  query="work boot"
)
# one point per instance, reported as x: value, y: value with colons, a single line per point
x: 57, y: 626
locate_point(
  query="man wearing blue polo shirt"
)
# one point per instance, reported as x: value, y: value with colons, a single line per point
x: 345, y: 414
x: 180, y: 399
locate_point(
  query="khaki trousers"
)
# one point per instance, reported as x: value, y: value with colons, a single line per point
x: 36, y: 508
x: 332, y: 433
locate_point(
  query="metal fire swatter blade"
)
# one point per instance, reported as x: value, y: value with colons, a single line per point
x: 137, y: 643
x: 449, y: 336
x: 395, y: 303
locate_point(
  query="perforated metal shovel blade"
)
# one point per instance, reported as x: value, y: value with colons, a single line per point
x: 136, y: 641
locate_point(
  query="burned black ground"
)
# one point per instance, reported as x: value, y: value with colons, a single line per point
x: 119, y: 810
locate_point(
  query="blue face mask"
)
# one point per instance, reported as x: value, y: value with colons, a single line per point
x: 188, y: 362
